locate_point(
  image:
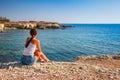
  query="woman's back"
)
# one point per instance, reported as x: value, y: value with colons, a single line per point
x: 30, y: 49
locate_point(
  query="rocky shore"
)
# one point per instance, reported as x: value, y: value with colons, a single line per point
x: 1, y: 27
x: 30, y: 24
x: 83, y: 68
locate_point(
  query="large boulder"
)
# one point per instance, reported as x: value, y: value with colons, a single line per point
x: 94, y: 57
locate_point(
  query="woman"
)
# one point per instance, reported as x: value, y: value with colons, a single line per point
x: 32, y: 50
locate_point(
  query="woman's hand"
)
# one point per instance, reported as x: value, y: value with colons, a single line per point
x: 36, y: 53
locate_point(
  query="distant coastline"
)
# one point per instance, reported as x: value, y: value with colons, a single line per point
x: 31, y: 24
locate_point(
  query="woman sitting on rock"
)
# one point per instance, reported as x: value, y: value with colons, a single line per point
x: 32, y: 50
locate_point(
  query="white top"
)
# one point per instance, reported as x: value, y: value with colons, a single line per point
x: 29, y: 51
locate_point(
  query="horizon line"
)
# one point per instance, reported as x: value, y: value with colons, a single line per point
x: 70, y: 22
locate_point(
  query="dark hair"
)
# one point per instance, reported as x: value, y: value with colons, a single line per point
x: 32, y: 32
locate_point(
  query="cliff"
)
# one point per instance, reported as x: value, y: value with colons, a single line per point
x: 1, y: 27
x: 83, y: 68
x: 49, y: 25
x: 33, y: 24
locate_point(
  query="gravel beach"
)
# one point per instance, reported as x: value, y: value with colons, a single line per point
x: 83, y: 68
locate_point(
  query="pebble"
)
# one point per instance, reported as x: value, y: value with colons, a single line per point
x: 58, y: 71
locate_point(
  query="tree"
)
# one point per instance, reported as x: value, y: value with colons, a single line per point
x: 4, y: 19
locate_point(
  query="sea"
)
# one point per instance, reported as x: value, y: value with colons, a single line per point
x: 64, y: 44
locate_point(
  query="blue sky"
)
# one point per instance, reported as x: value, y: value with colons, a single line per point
x: 63, y: 11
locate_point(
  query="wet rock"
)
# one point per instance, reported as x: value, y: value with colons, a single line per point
x: 116, y: 57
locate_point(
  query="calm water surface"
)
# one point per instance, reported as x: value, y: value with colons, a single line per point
x: 64, y: 44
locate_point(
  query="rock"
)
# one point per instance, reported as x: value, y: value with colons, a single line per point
x: 32, y: 24
x: 1, y: 27
x: 104, y: 57
x: 0, y: 65
x: 116, y: 57
x: 48, y: 25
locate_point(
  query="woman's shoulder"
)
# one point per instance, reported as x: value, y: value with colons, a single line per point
x: 36, y: 40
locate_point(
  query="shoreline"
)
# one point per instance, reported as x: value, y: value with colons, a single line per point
x: 84, y: 67
x: 31, y: 24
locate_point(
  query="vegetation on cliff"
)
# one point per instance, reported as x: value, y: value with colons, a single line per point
x: 30, y: 24
x: 4, y: 19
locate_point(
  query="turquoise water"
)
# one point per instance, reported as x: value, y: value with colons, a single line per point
x: 64, y: 44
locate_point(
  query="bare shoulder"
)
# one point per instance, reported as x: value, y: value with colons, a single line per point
x: 37, y: 41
